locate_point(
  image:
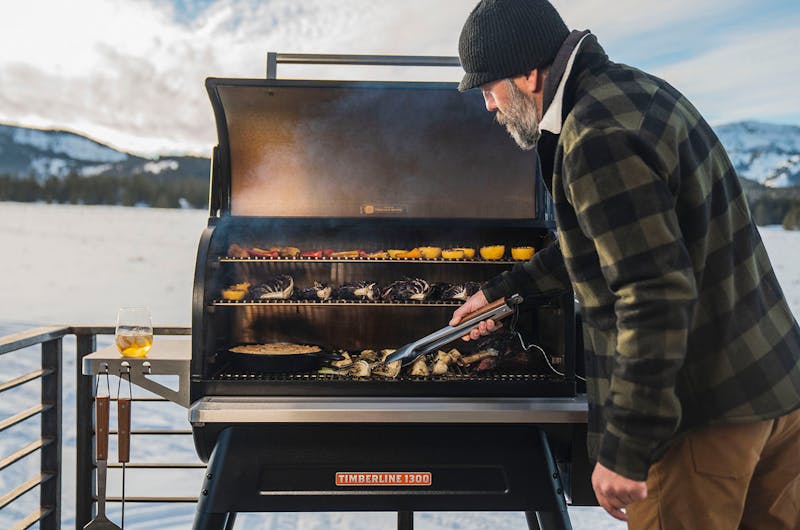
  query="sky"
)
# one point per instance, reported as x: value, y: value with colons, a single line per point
x: 130, y: 73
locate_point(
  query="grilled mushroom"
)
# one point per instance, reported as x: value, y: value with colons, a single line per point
x: 443, y: 361
x: 359, y: 368
x: 344, y: 361
x: 419, y: 368
x: 391, y: 370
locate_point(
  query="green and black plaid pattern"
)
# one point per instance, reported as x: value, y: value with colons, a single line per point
x: 685, y: 323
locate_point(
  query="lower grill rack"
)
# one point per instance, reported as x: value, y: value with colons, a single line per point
x: 243, y: 383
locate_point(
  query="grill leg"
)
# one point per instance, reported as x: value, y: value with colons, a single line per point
x: 533, y: 522
x: 405, y: 520
x: 210, y: 521
x: 551, y: 521
x: 231, y: 520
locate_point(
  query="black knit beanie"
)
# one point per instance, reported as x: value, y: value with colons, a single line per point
x: 505, y: 38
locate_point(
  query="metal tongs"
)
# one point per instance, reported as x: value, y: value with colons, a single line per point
x: 497, y: 310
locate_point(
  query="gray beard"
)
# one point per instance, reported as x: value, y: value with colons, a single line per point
x: 520, y: 118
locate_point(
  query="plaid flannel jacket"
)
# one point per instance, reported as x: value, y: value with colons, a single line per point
x: 685, y: 324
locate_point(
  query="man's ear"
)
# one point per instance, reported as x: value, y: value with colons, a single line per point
x: 533, y: 81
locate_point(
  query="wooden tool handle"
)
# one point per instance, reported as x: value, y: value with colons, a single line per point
x: 101, y: 430
x: 124, y: 429
x: 485, y: 309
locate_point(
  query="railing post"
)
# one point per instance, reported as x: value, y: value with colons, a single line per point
x: 50, y: 492
x: 84, y: 463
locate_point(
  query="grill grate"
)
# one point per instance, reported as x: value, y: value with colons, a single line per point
x: 436, y: 303
x: 231, y: 375
x: 367, y: 260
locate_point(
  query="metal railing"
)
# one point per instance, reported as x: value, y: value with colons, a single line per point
x: 49, y: 444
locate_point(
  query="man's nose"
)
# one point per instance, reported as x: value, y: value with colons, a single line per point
x: 491, y: 104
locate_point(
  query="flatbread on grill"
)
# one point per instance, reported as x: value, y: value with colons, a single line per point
x: 276, y: 348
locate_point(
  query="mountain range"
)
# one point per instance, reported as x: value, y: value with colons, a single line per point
x: 42, y: 154
x: 766, y: 153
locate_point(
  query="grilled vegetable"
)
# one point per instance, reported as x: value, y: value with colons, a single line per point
x: 443, y: 361
x: 522, y: 253
x: 430, y: 252
x: 493, y: 252
x: 320, y: 292
x: 256, y: 252
x: 469, y: 252
x: 359, y: 369
x: 277, y: 288
x: 357, y: 291
x: 348, y: 254
x: 452, y: 253
x: 460, y: 291
x: 419, y: 368
x: 411, y: 254
x: 391, y: 370
x: 236, y: 292
x: 288, y: 252
x: 407, y: 289
x: 236, y: 251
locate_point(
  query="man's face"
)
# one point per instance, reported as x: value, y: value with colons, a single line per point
x: 514, y: 109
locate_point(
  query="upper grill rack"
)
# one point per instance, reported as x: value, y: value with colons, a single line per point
x: 414, y: 303
x: 398, y: 261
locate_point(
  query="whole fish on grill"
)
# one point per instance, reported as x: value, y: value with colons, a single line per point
x: 460, y: 291
x: 357, y: 291
x: 320, y: 292
x: 277, y: 288
x: 406, y: 289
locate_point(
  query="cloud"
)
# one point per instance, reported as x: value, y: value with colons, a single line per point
x: 131, y: 72
x: 749, y: 76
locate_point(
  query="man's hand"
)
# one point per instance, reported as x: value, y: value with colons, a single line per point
x: 473, y: 303
x: 615, y: 492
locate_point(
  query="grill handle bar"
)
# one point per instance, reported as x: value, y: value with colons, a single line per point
x: 273, y: 58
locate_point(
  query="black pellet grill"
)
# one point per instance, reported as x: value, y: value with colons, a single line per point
x: 374, y: 165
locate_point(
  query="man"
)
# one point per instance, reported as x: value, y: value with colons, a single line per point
x: 693, y: 356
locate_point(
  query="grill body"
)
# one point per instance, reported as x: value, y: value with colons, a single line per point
x: 369, y: 165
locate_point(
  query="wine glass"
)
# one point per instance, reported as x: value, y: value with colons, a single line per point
x: 134, y: 335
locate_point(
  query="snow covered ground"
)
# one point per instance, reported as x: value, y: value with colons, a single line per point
x: 78, y: 264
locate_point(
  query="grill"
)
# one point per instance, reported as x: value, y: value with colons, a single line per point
x: 368, y: 166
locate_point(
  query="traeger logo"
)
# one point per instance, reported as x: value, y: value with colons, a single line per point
x: 359, y: 478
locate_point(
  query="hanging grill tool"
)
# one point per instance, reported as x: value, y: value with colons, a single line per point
x: 102, y: 406
x: 124, y: 428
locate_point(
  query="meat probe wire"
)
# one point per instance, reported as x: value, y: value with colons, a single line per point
x: 527, y: 347
x: 125, y: 370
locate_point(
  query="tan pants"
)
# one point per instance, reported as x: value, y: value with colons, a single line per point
x: 726, y: 477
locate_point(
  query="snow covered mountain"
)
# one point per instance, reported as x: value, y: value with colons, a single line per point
x: 43, y: 154
x: 764, y: 152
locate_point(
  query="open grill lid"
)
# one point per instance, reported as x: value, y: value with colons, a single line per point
x: 290, y: 148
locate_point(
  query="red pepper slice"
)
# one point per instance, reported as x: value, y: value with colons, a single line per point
x: 315, y: 254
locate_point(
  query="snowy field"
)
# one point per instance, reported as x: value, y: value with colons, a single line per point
x: 78, y: 264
